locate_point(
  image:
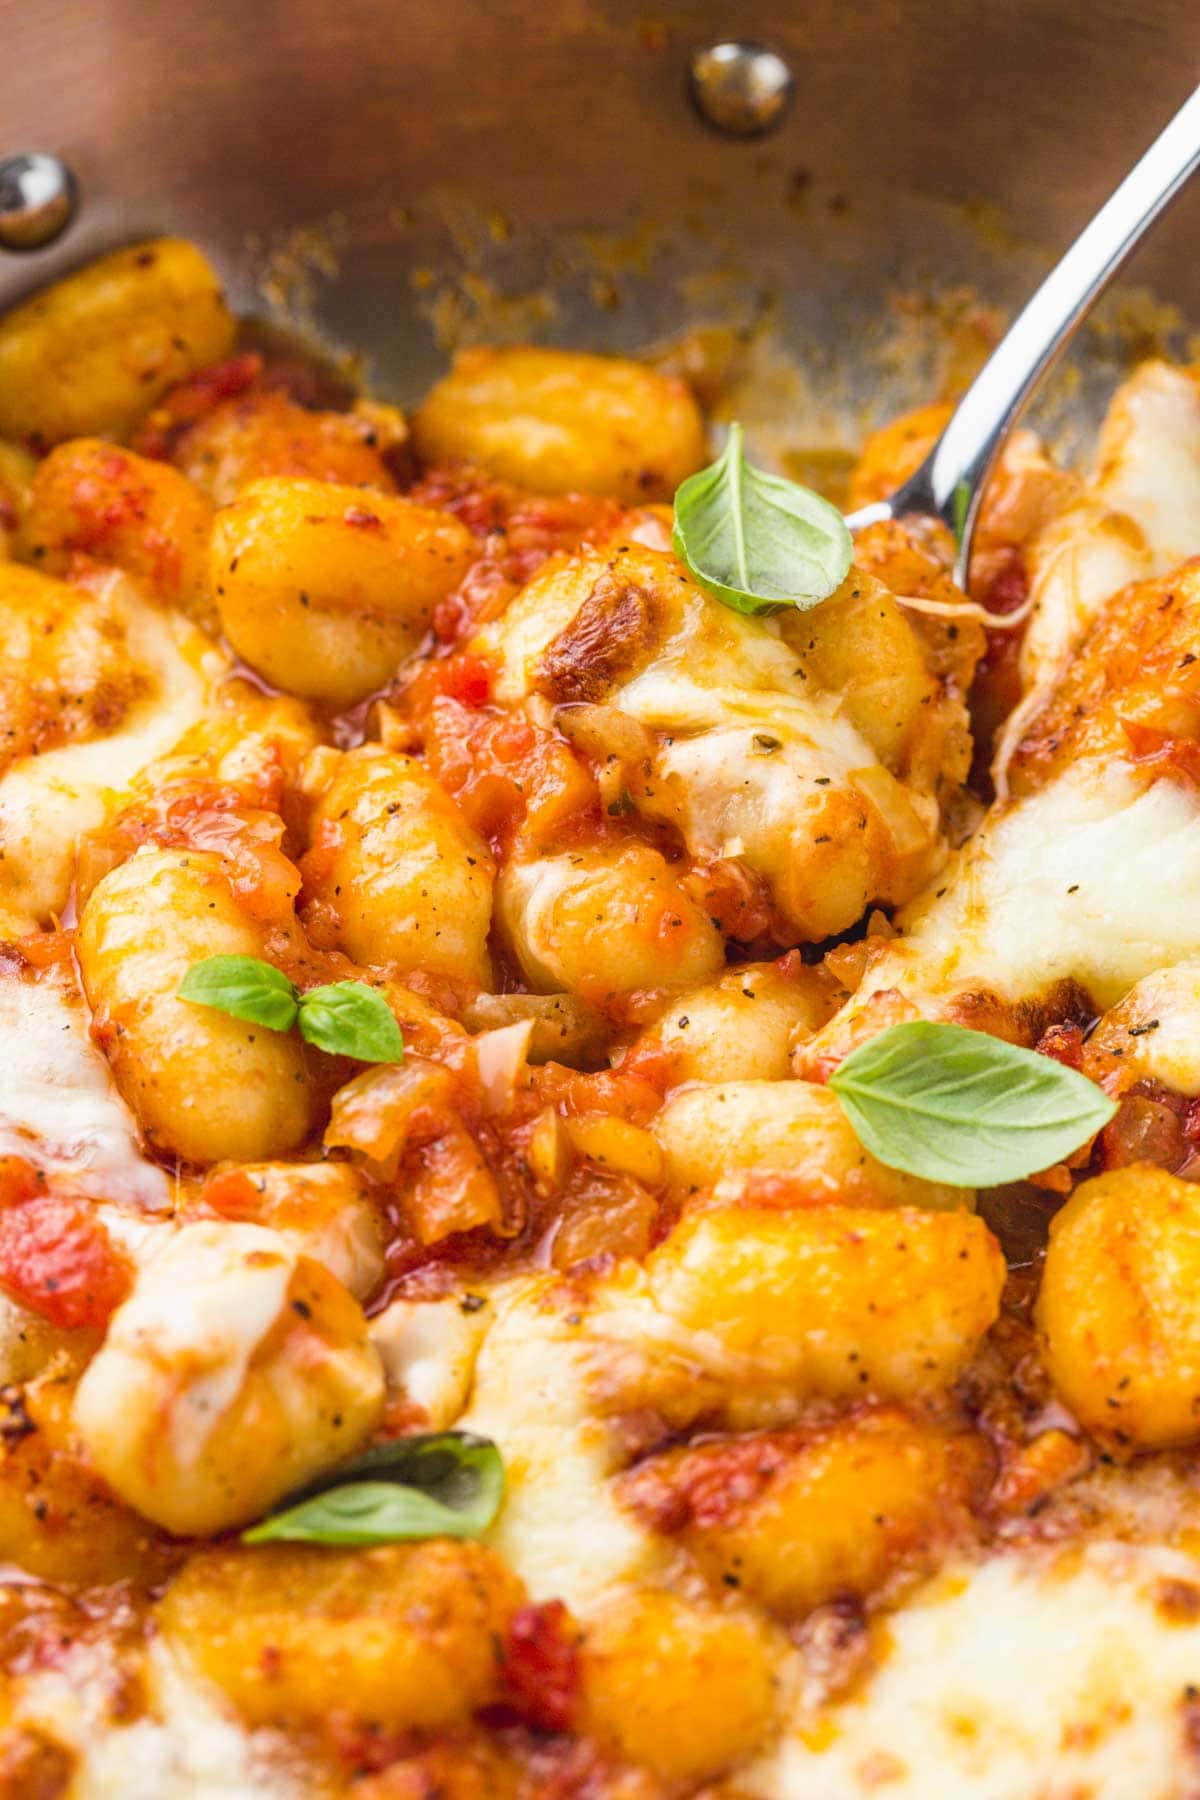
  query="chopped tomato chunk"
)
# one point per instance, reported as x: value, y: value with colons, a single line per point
x: 55, y: 1254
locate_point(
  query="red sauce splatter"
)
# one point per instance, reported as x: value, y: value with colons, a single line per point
x: 737, y: 899
x: 541, y: 1666
x: 232, y: 1193
x: 209, y: 816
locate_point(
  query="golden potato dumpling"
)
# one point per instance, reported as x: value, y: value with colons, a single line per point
x: 1117, y: 1308
x: 742, y: 1026
x: 835, y: 1300
x: 404, y: 1636
x: 204, y: 1085
x: 795, y: 1519
x: 322, y: 1209
x: 93, y: 352
x: 895, y: 451
x: 58, y: 1521
x: 683, y: 1687
x: 264, y: 432
x: 323, y: 588
x: 722, y: 1130
x: 124, y: 510
x: 397, y: 871
x: 235, y: 1371
x: 861, y: 646
x: 603, y: 923
x: 560, y: 422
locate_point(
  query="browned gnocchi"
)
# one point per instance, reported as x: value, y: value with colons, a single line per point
x: 399, y: 877
x: 95, y: 350
x: 405, y: 1633
x: 1116, y: 1311
x: 142, y: 928
x: 92, y: 499
x: 323, y: 588
x: 558, y: 422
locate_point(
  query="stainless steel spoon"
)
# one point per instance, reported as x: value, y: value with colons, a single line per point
x: 949, y: 484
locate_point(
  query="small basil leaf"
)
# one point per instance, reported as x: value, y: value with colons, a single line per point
x: 351, y: 1019
x: 243, y: 986
x: 440, y: 1484
x: 963, y: 1107
x: 756, y: 541
x: 360, y: 1514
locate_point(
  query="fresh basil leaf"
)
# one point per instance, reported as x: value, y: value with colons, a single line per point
x: 243, y: 986
x: 757, y: 541
x: 351, y: 1019
x: 440, y: 1484
x: 963, y: 1107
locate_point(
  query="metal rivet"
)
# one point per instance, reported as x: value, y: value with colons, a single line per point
x: 740, y: 87
x: 38, y: 198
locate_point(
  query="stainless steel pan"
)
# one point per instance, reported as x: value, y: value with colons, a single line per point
x: 403, y: 175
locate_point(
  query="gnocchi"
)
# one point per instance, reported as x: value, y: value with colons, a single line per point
x: 91, y: 353
x: 1115, y: 1308
x: 792, y: 1130
x: 601, y: 925
x: 323, y: 588
x: 398, y: 876
x: 743, y: 1025
x: 559, y: 422
x: 833, y: 1299
x: 682, y: 1687
x: 91, y: 499
x: 235, y: 1370
x: 406, y: 1634
x: 143, y: 927
x: 795, y: 1521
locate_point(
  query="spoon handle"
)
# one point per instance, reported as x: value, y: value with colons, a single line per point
x: 950, y: 482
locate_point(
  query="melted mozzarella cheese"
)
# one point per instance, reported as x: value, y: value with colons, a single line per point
x: 560, y: 1528
x: 48, y: 802
x: 211, y: 1397
x: 1096, y: 877
x: 1077, y: 562
x: 754, y: 761
x: 1148, y: 459
x: 708, y: 673
x: 187, y: 1745
x: 428, y: 1350
x: 202, y: 1307
x: 1027, y: 1677
x: 1139, y: 517
x: 1156, y: 1029
x: 58, y: 1103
